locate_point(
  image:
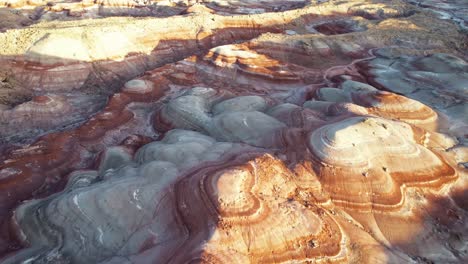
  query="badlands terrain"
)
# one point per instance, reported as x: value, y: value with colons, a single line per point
x: 242, y: 131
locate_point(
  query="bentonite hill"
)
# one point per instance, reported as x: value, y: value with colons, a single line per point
x: 233, y: 131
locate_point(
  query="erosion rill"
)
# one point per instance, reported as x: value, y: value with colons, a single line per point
x: 243, y: 131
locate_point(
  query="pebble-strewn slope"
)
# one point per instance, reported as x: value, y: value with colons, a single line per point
x: 242, y: 131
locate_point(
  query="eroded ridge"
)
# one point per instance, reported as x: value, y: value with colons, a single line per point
x: 233, y: 132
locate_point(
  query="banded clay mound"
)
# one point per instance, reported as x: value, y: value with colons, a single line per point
x: 233, y: 131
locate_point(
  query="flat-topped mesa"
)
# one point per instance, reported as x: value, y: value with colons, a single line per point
x: 44, y: 113
x: 253, y: 7
x: 47, y: 62
x: 57, y: 6
x: 366, y: 162
x: 240, y: 58
x: 393, y: 106
x: 43, y: 60
x: 303, y: 52
x: 138, y: 86
x: 382, y: 103
x: 255, y: 217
